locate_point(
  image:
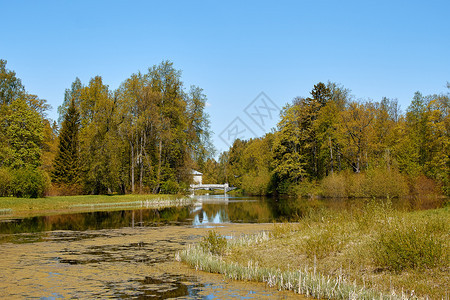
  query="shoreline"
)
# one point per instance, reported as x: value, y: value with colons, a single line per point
x: 11, y: 207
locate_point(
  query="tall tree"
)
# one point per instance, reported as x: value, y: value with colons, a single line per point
x: 357, y: 125
x: 199, y: 138
x: 100, y: 145
x: 25, y: 133
x: 173, y: 157
x: 11, y: 89
x: 438, y: 142
x: 289, y: 163
x: 416, y: 119
x: 66, y: 167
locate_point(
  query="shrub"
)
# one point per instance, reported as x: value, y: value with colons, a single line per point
x: 422, y: 186
x: 408, y: 246
x: 214, y: 243
x: 170, y: 187
x: 355, y: 184
x: 29, y: 183
x: 381, y: 182
x: 334, y: 185
x: 64, y: 189
x: 306, y: 188
x: 5, y: 182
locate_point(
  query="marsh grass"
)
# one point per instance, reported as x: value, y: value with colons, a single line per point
x: 310, y: 283
x: 214, y: 243
x: 405, y: 244
x: 363, y: 253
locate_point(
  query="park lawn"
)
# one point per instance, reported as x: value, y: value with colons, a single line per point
x: 377, y: 250
x: 21, y: 207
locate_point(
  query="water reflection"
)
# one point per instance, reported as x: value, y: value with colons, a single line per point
x: 34, y: 229
x: 208, y: 210
x: 216, y: 209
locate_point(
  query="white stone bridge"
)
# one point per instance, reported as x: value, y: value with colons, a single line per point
x: 225, y: 187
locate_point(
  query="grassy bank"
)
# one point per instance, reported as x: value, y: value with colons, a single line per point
x: 57, y: 204
x: 360, y: 254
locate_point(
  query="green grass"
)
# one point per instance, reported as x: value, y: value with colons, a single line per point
x: 50, y: 205
x: 360, y: 253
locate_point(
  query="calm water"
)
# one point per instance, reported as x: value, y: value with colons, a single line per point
x: 130, y: 253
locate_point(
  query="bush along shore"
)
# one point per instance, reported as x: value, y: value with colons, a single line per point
x: 375, y: 252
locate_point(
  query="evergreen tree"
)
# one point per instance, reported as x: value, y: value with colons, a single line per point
x: 66, y: 164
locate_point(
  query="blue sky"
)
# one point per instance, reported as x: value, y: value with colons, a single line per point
x: 234, y: 50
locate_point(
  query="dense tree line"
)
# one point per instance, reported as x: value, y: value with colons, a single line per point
x: 148, y: 134
x: 331, y: 145
x: 145, y: 136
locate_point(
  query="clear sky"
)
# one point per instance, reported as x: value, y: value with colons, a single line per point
x: 234, y: 50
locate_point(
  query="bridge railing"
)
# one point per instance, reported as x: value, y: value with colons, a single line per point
x: 224, y: 187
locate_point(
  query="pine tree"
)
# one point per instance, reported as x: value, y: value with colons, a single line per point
x: 66, y: 164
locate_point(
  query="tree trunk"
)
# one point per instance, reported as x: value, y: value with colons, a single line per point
x: 132, y: 167
x: 331, y: 154
x: 158, y: 177
x: 141, y: 165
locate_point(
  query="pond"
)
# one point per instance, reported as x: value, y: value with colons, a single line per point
x: 130, y: 253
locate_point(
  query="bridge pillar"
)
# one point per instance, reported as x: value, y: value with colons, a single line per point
x: 225, y: 188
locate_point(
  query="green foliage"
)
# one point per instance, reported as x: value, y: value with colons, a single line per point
x: 11, y: 87
x: 256, y: 184
x: 211, y: 171
x: 356, y: 149
x: 25, y: 133
x: 21, y: 123
x: 214, y: 243
x: 144, y: 137
x: 29, y: 183
x: 288, y: 161
x: 404, y: 245
x: 170, y: 187
x: 306, y: 188
x: 5, y: 182
x: 150, y: 130
x: 66, y: 165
